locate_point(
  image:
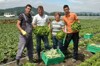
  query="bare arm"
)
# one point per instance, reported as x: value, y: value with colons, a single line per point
x: 65, y: 29
x: 65, y: 26
x: 34, y: 22
x: 18, y: 25
x: 76, y: 18
x: 49, y: 25
x: 20, y: 29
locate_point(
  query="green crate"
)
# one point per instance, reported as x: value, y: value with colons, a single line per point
x: 93, y: 48
x: 88, y: 36
x: 49, y: 61
x: 71, y: 42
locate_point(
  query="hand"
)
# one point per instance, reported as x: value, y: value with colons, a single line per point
x: 64, y: 31
x: 24, y: 32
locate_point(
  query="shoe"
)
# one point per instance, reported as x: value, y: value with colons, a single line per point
x: 39, y: 60
x: 31, y: 60
x: 18, y: 63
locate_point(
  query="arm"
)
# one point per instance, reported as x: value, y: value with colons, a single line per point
x: 76, y: 18
x: 34, y: 25
x: 49, y: 25
x: 64, y: 29
x: 19, y: 27
x: 50, y: 28
x: 48, y: 21
x: 34, y: 22
x: 65, y: 26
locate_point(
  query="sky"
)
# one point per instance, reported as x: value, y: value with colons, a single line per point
x: 55, y: 5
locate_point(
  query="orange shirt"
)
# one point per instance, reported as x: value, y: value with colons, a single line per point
x: 69, y: 20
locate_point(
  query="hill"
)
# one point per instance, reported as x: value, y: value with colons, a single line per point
x: 17, y: 10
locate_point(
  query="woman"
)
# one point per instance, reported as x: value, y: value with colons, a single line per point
x: 56, y: 26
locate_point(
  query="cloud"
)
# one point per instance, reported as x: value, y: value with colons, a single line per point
x: 3, y: 1
x: 55, y: 5
x: 75, y: 1
x: 85, y: 5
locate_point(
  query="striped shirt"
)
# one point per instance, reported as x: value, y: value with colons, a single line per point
x: 56, y: 26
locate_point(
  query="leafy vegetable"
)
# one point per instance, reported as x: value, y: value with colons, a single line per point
x: 52, y: 53
x: 28, y: 64
x: 97, y: 64
x: 9, y: 42
x: 41, y: 30
x: 60, y: 35
x: 76, y: 26
x: 93, y: 61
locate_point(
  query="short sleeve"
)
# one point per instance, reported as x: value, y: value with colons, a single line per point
x: 20, y: 17
x: 34, y: 20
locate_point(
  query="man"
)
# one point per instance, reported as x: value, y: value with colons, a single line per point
x: 25, y: 40
x: 69, y: 18
x: 41, y: 20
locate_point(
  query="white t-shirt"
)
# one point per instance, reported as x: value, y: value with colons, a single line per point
x: 40, y: 20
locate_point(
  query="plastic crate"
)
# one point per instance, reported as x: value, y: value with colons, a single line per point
x: 71, y: 42
x: 88, y: 36
x: 93, y: 48
x: 49, y: 61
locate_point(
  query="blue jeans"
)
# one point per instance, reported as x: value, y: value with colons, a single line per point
x: 46, y: 43
x: 58, y: 43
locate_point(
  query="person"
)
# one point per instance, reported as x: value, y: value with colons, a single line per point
x: 41, y: 19
x: 25, y: 40
x: 69, y: 18
x: 56, y: 26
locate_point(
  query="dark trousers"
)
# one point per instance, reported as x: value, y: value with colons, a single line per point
x: 75, y: 38
x: 57, y: 43
x: 46, y: 43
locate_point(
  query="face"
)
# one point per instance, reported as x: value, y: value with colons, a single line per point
x: 40, y: 11
x: 27, y: 10
x: 66, y: 10
x: 57, y: 17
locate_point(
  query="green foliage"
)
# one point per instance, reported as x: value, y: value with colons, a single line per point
x: 60, y: 35
x: 76, y: 26
x: 28, y: 64
x: 93, y: 61
x: 97, y: 64
x: 9, y: 37
x: 41, y: 30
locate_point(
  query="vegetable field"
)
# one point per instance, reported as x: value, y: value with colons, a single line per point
x: 9, y: 35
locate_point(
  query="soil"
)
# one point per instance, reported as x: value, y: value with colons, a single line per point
x: 83, y: 55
